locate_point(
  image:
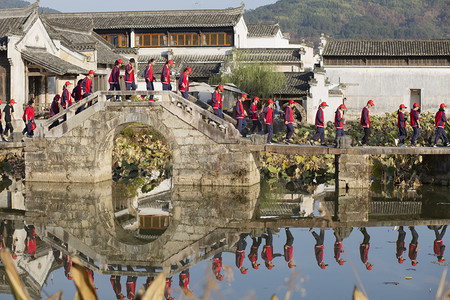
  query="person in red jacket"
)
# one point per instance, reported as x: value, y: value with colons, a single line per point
x: 183, y: 282
x: 319, y: 247
x: 240, y: 253
x: 28, y: 119
x: 438, y: 245
x: 239, y: 113
x: 165, y: 76
x: 401, y: 124
x: 67, y: 264
x: 400, y: 245
x: 339, y: 121
x: 117, y: 287
x: 253, y: 110
x: 413, y: 246
x: 440, y: 120
x: 267, y: 253
x: 415, y: 123
x: 130, y: 78
x: 86, y: 85
x: 77, y: 92
x: 289, y: 121
x: 114, y: 78
x: 289, y: 248
x: 217, y: 266
x: 66, y: 98
x: 364, y: 248
x: 253, y: 255
x: 320, y: 125
x: 338, y: 249
x: 183, y: 83
x: 54, y: 108
x: 365, y: 122
x: 217, y: 101
x: 268, y: 116
x: 167, y: 289
x: 131, y: 287
x: 30, y: 241
x: 149, y: 77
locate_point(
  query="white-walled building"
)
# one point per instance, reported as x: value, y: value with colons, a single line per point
x: 390, y: 72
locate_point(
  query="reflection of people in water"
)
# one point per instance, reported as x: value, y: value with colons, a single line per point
x: 439, y: 246
x: 117, y: 287
x: 413, y: 246
x: 19, y: 237
x: 6, y: 233
x: 67, y: 264
x: 183, y: 282
x: 400, y: 245
x: 240, y: 253
x: 167, y: 289
x: 253, y: 256
x: 364, y: 248
x: 90, y: 274
x: 217, y: 263
x: 57, y: 256
x: 131, y: 287
x: 319, y: 247
x: 338, y: 249
x: 267, y: 253
x: 30, y: 242
x: 289, y: 248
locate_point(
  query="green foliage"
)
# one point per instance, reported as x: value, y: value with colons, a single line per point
x: 357, y: 18
x: 255, y: 78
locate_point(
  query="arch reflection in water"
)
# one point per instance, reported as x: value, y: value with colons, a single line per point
x: 213, y: 227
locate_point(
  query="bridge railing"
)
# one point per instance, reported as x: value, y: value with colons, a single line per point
x: 220, y: 130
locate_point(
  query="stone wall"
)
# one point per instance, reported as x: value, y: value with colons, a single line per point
x: 84, y: 152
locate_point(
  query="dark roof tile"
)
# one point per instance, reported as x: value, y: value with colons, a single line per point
x: 297, y: 83
x: 263, y: 30
x: 280, y: 55
x: 51, y: 62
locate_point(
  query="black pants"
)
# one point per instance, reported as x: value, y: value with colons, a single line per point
x: 256, y: 124
x: 166, y: 87
x: 401, y: 235
x: 319, y: 238
x: 367, y: 132
x: 416, y: 131
x: 112, y: 87
x: 268, y: 237
x: 150, y: 87
x: 402, y: 135
x: 439, y: 236
x: 9, y: 128
x: 289, y: 131
x: 414, y: 234
x: 366, y: 235
x: 289, y: 237
x: 242, y: 243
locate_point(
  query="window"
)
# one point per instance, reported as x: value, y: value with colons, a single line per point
x: 217, y: 39
x: 117, y: 40
x: 151, y: 40
x: 184, y: 39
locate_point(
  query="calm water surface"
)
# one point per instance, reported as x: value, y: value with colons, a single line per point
x: 180, y: 230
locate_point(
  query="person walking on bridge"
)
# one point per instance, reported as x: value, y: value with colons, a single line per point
x: 319, y: 247
x: 413, y: 246
x: 400, y: 245
x: 439, y: 246
x: 253, y: 256
x: 289, y: 121
x: 339, y: 121
x: 440, y: 120
x: 401, y: 124
x: 130, y: 80
x: 267, y: 253
x: 268, y: 116
x: 8, y: 116
x: 217, y: 101
x: 289, y: 248
x: 165, y: 76
x: 364, y: 248
x: 183, y: 83
x: 365, y: 122
x: 320, y: 125
x: 86, y: 85
x: 28, y: 119
x: 66, y: 96
x: 114, y: 78
x: 117, y: 287
x: 253, y: 110
x: 414, y: 120
x: 239, y: 113
x: 149, y: 77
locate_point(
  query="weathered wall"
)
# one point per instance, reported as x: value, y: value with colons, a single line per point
x: 352, y: 171
x: 390, y: 86
x: 84, y: 154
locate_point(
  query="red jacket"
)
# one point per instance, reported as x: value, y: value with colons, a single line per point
x: 338, y: 250
x: 86, y: 85
x: 216, y: 100
x: 288, y: 252
x: 320, y: 122
x: 129, y: 74
x: 439, y: 247
x: 253, y: 256
x: 413, y: 249
x: 289, y: 115
x: 239, y: 110
x: 183, y: 82
x: 365, y: 119
x: 165, y: 75
x: 413, y: 117
x: 267, y: 253
x: 115, y: 75
x: 217, y: 265
x: 29, y: 112
x: 148, y: 74
x: 254, y: 111
x: 240, y: 254
x: 338, y: 120
x: 268, y: 115
x: 364, y: 252
x: 401, y: 120
x: 66, y: 99
x: 440, y: 119
x: 318, y: 250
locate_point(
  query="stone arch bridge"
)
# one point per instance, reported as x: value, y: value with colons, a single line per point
x: 206, y: 149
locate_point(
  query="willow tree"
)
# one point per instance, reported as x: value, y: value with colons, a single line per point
x: 255, y: 78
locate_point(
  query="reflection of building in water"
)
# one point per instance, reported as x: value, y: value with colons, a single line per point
x: 12, y: 197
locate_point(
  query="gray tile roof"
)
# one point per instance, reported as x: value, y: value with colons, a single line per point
x: 263, y: 30
x: 151, y: 19
x: 51, y: 63
x: 297, y: 84
x: 280, y: 55
x: 13, y: 19
x: 387, y: 48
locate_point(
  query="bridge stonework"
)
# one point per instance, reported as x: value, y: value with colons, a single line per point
x: 80, y: 149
